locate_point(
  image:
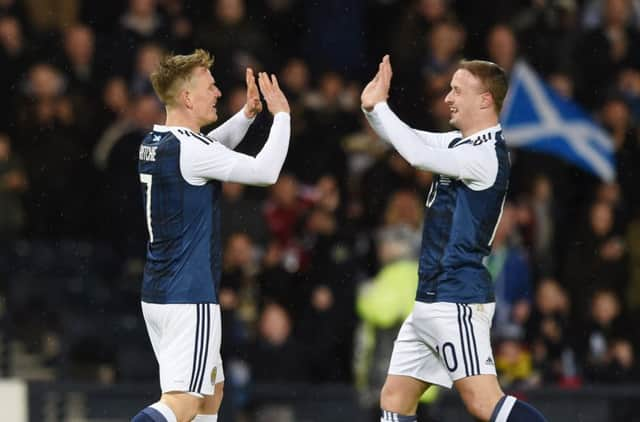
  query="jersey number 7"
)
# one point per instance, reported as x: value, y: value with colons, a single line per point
x: 146, y: 180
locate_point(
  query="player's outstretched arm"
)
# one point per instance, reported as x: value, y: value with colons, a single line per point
x: 202, y: 161
x: 265, y: 168
x: 231, y: 132
x: 376, y: 93
x: 420, y: 153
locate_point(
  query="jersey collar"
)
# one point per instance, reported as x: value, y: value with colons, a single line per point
x: 163, y: 128
x: 492, y: 129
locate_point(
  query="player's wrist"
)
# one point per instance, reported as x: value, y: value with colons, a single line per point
x: 370, y: 107
x: 249, y: 112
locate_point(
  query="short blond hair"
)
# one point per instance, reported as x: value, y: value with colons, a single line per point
x: 174, y: 70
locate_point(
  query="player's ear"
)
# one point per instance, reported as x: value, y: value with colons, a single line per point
x: 185, y: 99
x: 486, y: 100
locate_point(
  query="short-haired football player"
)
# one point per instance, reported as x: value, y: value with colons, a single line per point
x: 445, y: 341
x: 181, y: 171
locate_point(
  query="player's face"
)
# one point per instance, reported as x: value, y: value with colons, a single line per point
x: 464, y: 99
x: 204, y: 96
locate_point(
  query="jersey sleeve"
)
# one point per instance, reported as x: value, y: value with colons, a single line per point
x: 203, y: 161
x: 477, y: 166
x: 382, y: 115
x: 422, y: 151
x: 231, y: 132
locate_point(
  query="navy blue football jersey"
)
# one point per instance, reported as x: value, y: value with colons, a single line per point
x: 184, y: 254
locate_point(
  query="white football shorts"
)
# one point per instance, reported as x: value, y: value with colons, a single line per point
x: 186, y: 341
x: 442, y: 342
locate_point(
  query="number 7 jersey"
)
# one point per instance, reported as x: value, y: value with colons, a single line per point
x: 184, y: 252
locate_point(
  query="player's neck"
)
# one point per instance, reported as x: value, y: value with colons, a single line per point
x: 179, y: 118
x: 478, y: 126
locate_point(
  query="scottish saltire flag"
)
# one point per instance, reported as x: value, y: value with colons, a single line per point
x: 536, y: 118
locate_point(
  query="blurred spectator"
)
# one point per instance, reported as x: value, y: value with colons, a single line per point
x: 238, y: 285
x: 502, y: 47
x: 276, y: 356
x: 52, y: 15
x: 593, y: 11
x: 390, y: 173
x: 283, y: 212
x: 445, y: 41
x: 509, y: 268
x: 140, y: 23
x: 548, y: 31
x: 179, y: 21
x: 237, y: 42
x: 549, y: 336
x: 562, y: 83
x: 78, y: 60
x: 629, y: 87
x: 363, y: 149
x: 241, y: 214
x: 605, y: 51
x: 514, y: 364
x: 606, y: 346
x: 392, y: 289
x: 114, y: 120
x: 15, y: 57
x: 404, y: 209
x: 329, y: 111
x: 537, y: 214
x: 633, y: 292
x: 413, y: 26
x: 284, y: 26
x: 147, y: 58
x: 13, y: 183
x: 326, y: 336
x: 615, y: 115
x: 83, y: 75
x: 58, y: 167
x: 597, y: 259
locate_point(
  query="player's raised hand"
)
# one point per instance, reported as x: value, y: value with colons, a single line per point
x: 377, y: 90
x: 254, y: 105
x: 273, y: 95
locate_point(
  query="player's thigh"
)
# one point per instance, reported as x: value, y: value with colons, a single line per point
x: 480, y: 394
x: 413, y: 367
x: 460, y: 335
x: 401, y: 393
x: 210, y: 404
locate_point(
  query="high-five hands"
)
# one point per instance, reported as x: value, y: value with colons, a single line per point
x: 377, y: 90
x: 276, y: 101
x: 254, y: 105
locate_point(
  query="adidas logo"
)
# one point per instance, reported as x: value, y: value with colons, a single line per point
x: 489, y: 361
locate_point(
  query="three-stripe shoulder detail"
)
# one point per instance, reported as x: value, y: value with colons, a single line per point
x: 201, y: 138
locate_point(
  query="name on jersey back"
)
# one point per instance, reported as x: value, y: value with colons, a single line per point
x: 148, y: 153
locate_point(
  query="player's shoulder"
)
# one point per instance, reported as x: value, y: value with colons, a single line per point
x: 184, y: 135
x: 488, y: 137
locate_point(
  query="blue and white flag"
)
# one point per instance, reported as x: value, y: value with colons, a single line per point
x: 535, y: 117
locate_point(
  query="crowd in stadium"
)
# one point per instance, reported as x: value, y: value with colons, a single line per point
x: 301, y: 258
